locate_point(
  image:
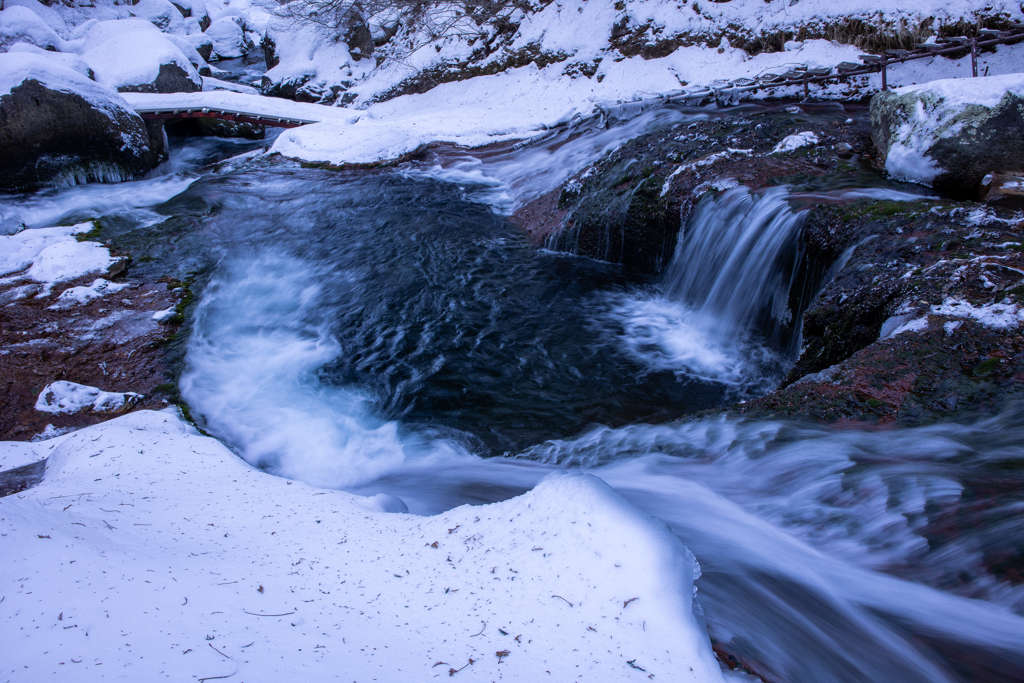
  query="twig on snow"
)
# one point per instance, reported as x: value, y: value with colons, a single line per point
x: 626, y: 603
x: 482, y: 629
x: 561, y: 598
x: 218, y: 651
x: 268, y: 615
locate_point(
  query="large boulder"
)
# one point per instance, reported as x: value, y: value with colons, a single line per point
x: 57, y: 127
x: 951, y: 134
x: 132, y: 55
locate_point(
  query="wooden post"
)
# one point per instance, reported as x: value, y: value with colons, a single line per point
x: 974, y: 57
x: 885, y: 84
x: 807, y: 87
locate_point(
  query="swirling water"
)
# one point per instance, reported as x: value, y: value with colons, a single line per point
x: 393, y: 333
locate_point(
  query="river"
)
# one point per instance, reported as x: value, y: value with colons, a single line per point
x: 394, y: 332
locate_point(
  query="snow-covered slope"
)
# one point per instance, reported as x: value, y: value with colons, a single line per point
x: 151, y: 552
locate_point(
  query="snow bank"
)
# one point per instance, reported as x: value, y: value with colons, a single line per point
x: 63, y: 397
x: 52, y: 255
x: 149, y: 549
x: 19, y: 453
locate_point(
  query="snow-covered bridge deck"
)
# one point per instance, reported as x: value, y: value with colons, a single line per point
x: 233, y: 106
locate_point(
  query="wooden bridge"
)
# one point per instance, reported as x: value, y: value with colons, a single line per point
x: 234, y: 106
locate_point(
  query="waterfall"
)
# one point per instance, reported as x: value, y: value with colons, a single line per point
x: 722, y: 311
x: 736, y: 262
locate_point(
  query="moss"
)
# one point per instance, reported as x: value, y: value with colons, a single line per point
x: 986, y: 367
x: 93, y: 234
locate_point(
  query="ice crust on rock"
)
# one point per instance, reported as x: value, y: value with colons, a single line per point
x: 204, y: 544
x: 62, y: 397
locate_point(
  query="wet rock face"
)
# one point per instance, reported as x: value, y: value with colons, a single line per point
x: 926, y: 136
x: 898, y: 333
x: 54, y: 137
x: 628, y: 208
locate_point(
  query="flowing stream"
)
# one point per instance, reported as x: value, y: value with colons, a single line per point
x: 393, y: 333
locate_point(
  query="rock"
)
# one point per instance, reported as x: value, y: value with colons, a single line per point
x: 950, y: 134
x: 202, y: 44
x: 131, y: 55
x: 229, y: 40
x: 1003, y: 186
x: 844, y: 150
x: 59, y: 127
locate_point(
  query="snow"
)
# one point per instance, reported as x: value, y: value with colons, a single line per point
x: 100, y: 287
x: 52, y: 255
x: 958, y: 92
x: 793, y: 142
x: 19, y: 453
x: 62, y: 397
x: 165, y: 314
x: 129, y: 52
x: 56, y: 72
x: 149, y: 550
x: 20, y: 24
x: 213, y: 84
x: 1000, y: 316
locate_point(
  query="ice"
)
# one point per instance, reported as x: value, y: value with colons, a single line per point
x: 261, y: 577
x: 63, y: 397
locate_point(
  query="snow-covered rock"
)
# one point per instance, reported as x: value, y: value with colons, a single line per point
x: 100, y: 287
x: 155, y: 541
x: 229, y: 39
x: 22, y: 25
x: 161, y: 14
x: 951, y: 133
x: 194, y: 9
x: 62, y: 398
x: 307, y: 62
x: 794, y: 142
x: 132, y: 55
x: 59, y: 127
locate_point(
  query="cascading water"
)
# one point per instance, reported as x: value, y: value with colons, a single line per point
x: 383, y: 333
x: 722, y: 311
x: 736, y: 261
